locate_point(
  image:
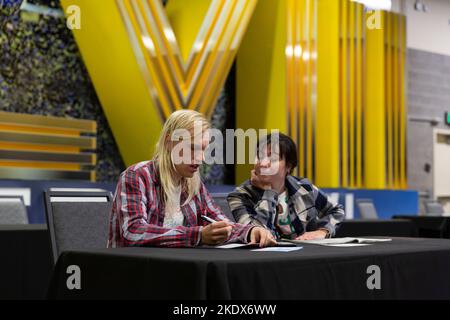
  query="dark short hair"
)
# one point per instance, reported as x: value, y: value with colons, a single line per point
x: 288, y: 149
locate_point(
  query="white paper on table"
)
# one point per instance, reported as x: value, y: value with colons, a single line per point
x: 345, y: 240
x: 347, y: 245
x: 232, y: 246
x: 278, y: 249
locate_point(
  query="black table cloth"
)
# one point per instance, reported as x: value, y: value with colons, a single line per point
x: 390, y: 228
x: 25, y: 263
x: 429, y: 226
x: 411, y: 268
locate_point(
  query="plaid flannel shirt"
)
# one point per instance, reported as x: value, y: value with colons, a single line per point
x: 137, y: 214
x: 309, y: 208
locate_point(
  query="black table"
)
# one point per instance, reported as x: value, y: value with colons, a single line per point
x: 389, y: 228
x: 25, y: 261
x: 411, y: 268
x: 429, y: 226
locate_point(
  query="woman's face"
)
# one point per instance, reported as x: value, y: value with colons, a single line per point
x: 190, y: 154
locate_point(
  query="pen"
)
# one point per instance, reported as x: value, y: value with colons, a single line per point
x: 207, y: 219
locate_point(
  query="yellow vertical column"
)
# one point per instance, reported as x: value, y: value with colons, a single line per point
x: 309, y: 60
x: 343, y: 85
x: 403, y: 104
x: 396, y: 101
x: 291, y: 70
x: 360, y: 34
x: 389, y: 105
x: 327, y: 113
x: 352, y: 90
x: 261, y: 74
x: 374, y: 111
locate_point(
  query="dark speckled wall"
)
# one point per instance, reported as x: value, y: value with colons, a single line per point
x: 41, y: 72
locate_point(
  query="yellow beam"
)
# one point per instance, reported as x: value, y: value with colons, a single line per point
x: 396, y: 79
x: 35, y: 147
x: 30, y: 129
x: 403, y: 103
x: 352, y: 91
x: 47, y: 122
x: 40, y: 165
x: 327, y: 125
x: 390, y: 96
x: 374, y: 111
x: 359, y: 93
x: 310, y: 57
x: 343, y: 85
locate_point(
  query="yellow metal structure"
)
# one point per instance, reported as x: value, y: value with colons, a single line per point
x: 196, y: 83
x: 327, y: 142
x: 43, y: 147
x: 344, y: 89
x: 314, y: 69
x: 261, y: 74
x: 144, y: 68
x: 301, y: 57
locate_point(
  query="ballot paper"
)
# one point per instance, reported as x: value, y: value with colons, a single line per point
x: 348, y: 245
x: 280, y: 244
x: 277, y: 249
x: 234, y: 246
x: 342, y: 242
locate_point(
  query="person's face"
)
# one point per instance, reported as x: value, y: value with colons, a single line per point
x: 270, y: 166
x: 191, y: 161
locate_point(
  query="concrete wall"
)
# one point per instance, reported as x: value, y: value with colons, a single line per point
x: 428, y: 41
x: 428, y: 96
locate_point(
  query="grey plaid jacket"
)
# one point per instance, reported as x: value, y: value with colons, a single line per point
x: 309, y: 208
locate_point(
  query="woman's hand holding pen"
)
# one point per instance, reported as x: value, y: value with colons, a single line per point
x: 216, y: 233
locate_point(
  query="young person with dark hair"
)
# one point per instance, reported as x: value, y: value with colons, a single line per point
x: 290, y: 207
x: 160, y: 202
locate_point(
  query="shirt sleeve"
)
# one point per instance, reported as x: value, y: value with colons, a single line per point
x: 245, y: 211
x: 330, y: 213
x: 132, y: 198
x: 239, y: 232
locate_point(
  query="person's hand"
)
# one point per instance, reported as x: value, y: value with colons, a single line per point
x: 262, y: 236
x: 216, y: 233
x: 313, y: 235
x: 260, y: 181
x: 264, y: 181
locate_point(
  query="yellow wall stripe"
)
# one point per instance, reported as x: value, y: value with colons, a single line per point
x: 327, y: 126
x: 35, y: 142
x: 351, y: 136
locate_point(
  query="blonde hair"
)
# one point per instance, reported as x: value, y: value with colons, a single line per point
x: 181, y: 119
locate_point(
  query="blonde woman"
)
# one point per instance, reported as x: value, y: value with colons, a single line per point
x: 160, y: 202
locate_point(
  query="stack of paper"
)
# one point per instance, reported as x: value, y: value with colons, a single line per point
x: 278, y: 249
x: 342, y: 242
x: 253, y: 245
